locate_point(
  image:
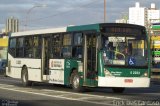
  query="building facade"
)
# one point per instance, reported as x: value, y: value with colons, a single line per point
x: 3, y: 46
x: 153, y: 14
x: 121, y: 21
x: 138, y: 15
x: 12, y: 25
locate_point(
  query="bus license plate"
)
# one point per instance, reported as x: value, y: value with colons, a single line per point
x: 128, y: 80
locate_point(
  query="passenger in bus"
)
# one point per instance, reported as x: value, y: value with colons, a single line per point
x: 125, y: 50
x: 111, y: 50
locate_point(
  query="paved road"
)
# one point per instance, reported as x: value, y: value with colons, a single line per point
x: 13, y: 93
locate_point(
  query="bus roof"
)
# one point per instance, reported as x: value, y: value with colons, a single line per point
x: 98, y: 26
x: 41, y: 31
x: 84, y: 27
x: 57, y: 30
x: 89, y: 27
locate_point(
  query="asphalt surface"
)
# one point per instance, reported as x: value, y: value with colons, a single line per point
x: 12, y: 93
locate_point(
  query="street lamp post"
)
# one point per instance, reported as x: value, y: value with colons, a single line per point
x: 104, y: 11
x: 28, y: 12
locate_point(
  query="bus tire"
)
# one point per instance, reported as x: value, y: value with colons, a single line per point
x: 118, y: 90
x: 75, y: 82
x: 24, y: 78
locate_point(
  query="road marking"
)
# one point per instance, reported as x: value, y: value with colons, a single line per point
x: 91, y: 95
x: 60, y: 97
x: 5, y: 79
x: 83, y: 99
x: 7, y: 85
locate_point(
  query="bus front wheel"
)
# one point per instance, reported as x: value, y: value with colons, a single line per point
x: 118, y: 90
x: 75, y: 82
x: 24, y: 78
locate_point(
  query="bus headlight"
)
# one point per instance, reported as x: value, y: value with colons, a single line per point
x: 145, y: 74
x: 80, y: 67
x: 107, y: 73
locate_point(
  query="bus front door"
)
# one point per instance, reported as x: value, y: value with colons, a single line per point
x: 90, y: 58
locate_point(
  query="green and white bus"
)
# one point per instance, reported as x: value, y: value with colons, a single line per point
x: 110, y: 55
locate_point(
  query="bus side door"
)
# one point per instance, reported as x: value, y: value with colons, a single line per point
x: 45, y: 55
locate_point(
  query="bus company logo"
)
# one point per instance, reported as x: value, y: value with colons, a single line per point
x: 128, y: 80
x: 68, y: 64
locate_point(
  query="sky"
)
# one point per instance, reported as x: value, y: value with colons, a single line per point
x: 60, y: 13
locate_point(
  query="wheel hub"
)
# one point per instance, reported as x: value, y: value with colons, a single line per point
x: 76, y: 81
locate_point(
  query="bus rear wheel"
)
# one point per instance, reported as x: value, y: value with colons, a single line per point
x: 118, y: 90
x: 24, y: 78
x: 75, y: 82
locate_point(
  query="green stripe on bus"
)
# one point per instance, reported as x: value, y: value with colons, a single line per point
x: 84, y: 28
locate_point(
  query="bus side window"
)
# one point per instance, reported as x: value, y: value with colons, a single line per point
x: 12, y: 47
x: 77, y: 52
x: 66, y: 49
x: 37, y: 47
x: 19, y: 47
x: 66, y: 52
x: 56, y: 46
x: 77, y: 45
x: 28, y: 47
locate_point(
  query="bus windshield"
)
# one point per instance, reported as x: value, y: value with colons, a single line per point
x: 124, y: 51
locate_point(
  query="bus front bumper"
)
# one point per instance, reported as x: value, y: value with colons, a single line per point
x: 128, y: 82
